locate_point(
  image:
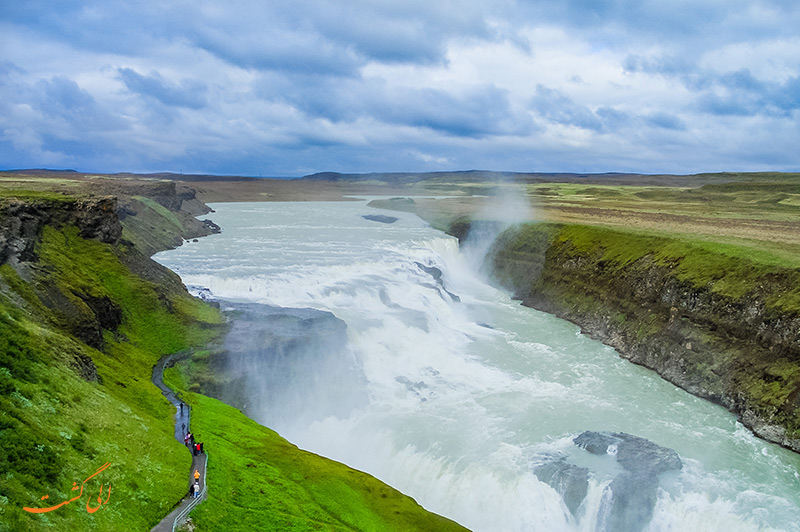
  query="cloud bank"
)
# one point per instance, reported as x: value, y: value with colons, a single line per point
x: 285, y: 89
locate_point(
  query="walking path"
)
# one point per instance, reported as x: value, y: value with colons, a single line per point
x: 182, y: 426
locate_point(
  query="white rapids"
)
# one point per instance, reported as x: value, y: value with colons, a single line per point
x: 455, y: 393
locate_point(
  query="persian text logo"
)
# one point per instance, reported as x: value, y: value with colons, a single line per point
x: 89, y: 507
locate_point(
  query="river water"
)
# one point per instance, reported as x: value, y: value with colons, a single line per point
x: 381, y: 346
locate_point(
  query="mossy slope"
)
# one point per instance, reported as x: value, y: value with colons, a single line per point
x: 259, y: 481
x: 718, y: 320
x: 79, y: 334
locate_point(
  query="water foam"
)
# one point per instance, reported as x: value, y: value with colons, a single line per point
x: 466, y: 396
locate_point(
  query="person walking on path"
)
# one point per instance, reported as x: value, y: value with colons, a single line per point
x: 182, y: 433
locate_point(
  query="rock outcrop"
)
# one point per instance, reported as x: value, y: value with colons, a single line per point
x: 163, y: 215
x: 633, y: 493
x: 21, y: 221
x: 629, y: 497
x: 569, y: 481
x: 380, y: 218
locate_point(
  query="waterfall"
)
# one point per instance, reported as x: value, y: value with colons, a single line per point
x: 379, y: 345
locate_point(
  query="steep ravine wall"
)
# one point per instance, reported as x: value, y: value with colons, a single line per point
x: 84, y: 316
x: 705, y: 317
x: 156, y: 218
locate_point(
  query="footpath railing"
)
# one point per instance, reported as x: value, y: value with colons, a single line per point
x: 184, y: 514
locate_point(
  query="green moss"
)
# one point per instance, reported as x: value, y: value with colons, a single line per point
x: 259, y: 481
x: 727, y: 269
x: 162, y: 211
x: 57, y: 427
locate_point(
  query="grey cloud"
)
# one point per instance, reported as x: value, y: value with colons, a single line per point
x: 685, y: 24
x: 110, y: 26
x: 665, y: 65
x: 733, y: 93
x: 479, y: 112
x: 557, y: 107
x: 613, y: 119
x: 741, y: 94
x: 186, y: 93
x: 665, y: 121
x: 412, y: 31
x: 62, y: 96
x: 62, y: 99
x: 53, y: 121
x: 293, y: 52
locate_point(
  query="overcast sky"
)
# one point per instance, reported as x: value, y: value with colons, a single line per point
x: 287, y: 88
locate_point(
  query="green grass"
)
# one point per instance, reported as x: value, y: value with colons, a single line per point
x: 154, y: 227
x: 259, y: 481
x: 57, y: 427
x: 162, y: 211
x: 728, y: 269
x: 762, y: 200
x: 34, y: 195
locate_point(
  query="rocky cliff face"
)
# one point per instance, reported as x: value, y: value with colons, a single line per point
x: 21, y: 221
x: 156, y: 214
x: 732, y: 338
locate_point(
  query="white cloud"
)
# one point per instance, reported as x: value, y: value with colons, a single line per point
x: 268, y: 88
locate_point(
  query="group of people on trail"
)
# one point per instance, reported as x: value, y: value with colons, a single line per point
x: 194, y: 489
x: 195, y: 446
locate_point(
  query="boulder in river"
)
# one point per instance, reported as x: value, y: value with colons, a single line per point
x: 633, y: 453
x: 380, y: 218
x: 633, y: 493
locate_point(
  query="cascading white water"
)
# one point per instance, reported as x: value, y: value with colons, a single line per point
x: 463, y: 393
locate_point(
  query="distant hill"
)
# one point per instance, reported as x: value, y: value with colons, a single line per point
x: 488, y: 176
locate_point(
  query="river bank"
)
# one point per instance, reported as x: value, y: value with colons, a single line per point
x: 715, y: 320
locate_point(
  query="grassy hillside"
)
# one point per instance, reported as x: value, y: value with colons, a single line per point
x: 259, y: 481
x: 68, y: 407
